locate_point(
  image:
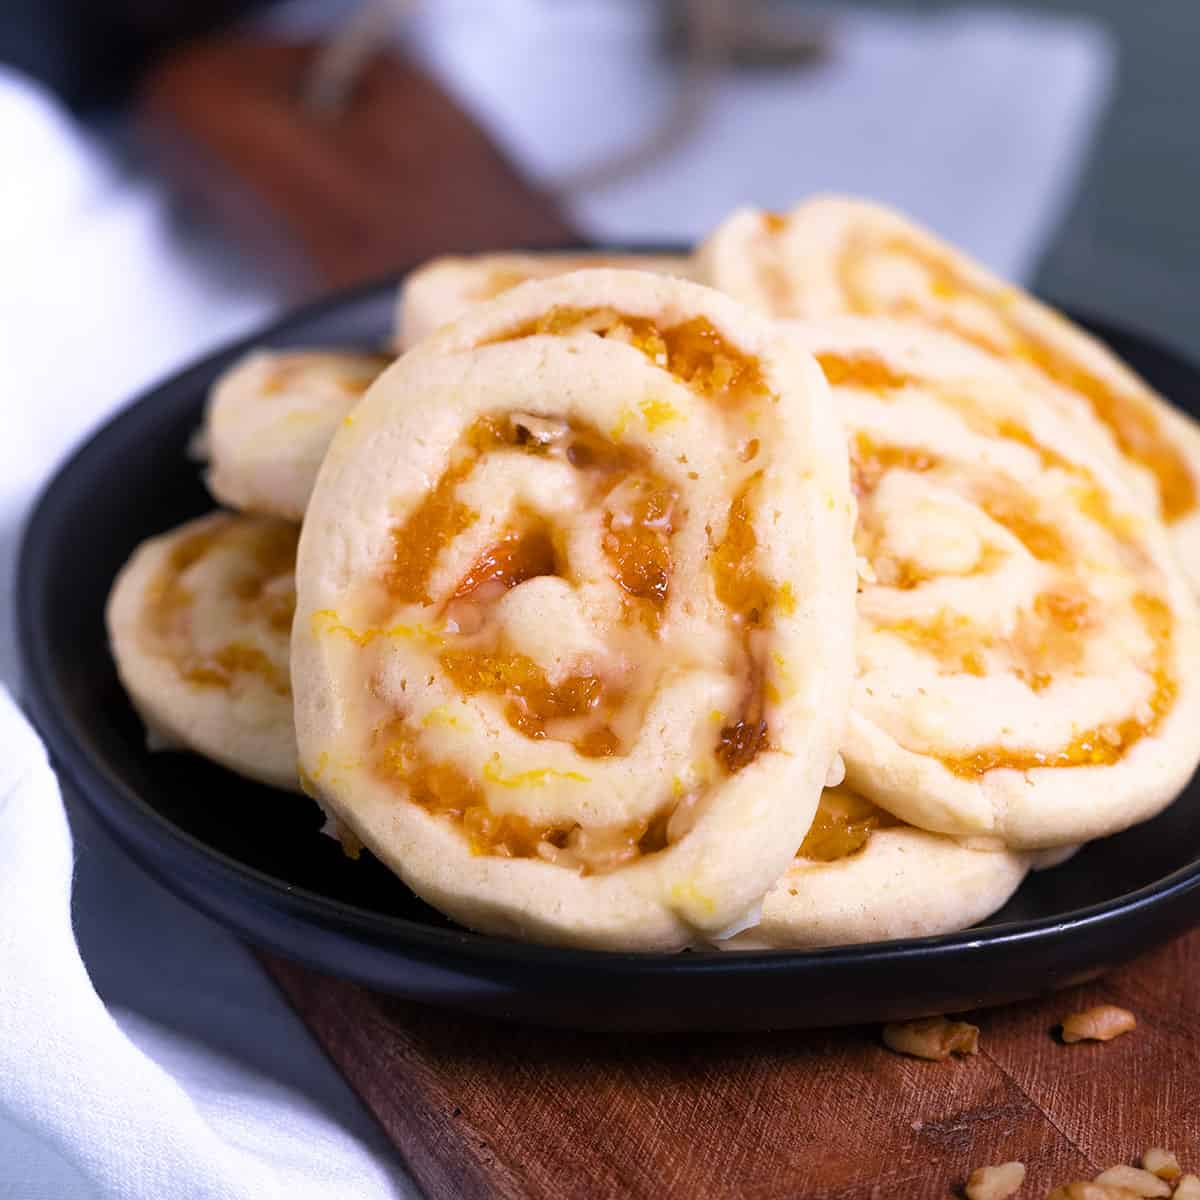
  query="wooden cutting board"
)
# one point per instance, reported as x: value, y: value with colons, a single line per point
x: 479, y: 1109
x: 482, y: 1110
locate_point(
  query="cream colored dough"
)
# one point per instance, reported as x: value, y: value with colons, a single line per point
x: 198, y: 621
x: 445, y: 288
x: 833, y: 256
x: 888, y: 880
x: 270, y: 419
x: 546, y: 731
x: 1028, y: 665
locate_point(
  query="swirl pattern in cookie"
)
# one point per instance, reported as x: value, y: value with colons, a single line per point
x: 443, y: 289
x: 834, y: 256
x: 862, y: 875
x: 270, y: 419
x: 199, y: 621
x: 1027, y: 644
x: 575, y: 606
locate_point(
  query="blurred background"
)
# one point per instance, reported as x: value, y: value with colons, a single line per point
x: 176, y: 172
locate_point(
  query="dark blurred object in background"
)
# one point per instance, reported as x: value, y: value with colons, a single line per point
x: 91, y: 51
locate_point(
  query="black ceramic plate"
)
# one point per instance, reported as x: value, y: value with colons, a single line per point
x: 252, y: 858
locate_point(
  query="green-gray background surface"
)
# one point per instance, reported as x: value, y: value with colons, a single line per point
x: 1129, y: 246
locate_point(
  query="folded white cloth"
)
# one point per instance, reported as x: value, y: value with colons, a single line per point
x: 93, y: 1097
x: 177, y: 1070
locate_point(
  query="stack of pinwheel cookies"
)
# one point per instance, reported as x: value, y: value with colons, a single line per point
x: 807, y: 590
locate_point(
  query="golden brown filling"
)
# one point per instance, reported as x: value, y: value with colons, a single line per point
x: 861, y: 370
x: 264, y: 588
x: 1126, y: 412
x: 641, y: 512
x: 1102, y: 745
x: 750, y: 597
x: 533, y: 701
x: 417, y: 542
x: 842, y: 827
x: 950, y: 638
x: 445, y: 791
x: 519, y: 555
x: 1017, y: 513
x: 695, y: 351
x: 1004, y: 503
x: 1050, y: 637
x: 741, y: 743
x: 870, y: 461
x: 638, y: 541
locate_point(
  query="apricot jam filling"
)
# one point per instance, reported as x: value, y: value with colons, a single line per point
x: 843, y: 826
x: 521, y: 553
x: 750, y: 598
x: 861, y: 370
x: 695, y: 351
x: 869, y: 372
x: 1101, y: 745
x: 637, y: 539
x: 419, y: 540
x: 1048, y: 637
x: 870, y: 461
x: 264, y: 587
x: 640, y: 512
x: 533, y: 702
x: 1125, y: 411
x: 444, y: 790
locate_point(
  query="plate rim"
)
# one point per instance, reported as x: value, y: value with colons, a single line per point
x: 141, y: 828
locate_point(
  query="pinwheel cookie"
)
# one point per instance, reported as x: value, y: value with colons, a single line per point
x: 270, y: 419
x: 837, y: 256
x: 445, y: 288
x: 575, y: 602
x: 199, y: 620
x: 862, y: 875
x: 1028, y: 665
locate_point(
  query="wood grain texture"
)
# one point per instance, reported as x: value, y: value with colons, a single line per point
x: 485, y: 1110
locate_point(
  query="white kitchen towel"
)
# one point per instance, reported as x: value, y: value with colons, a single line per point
x: 95, y: 1100
x: 177, y: 1070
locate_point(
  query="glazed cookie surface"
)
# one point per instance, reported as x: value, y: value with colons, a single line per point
x: 443, y: 289
x: 834, y: 256
x: 573, y: 638
x: 199, y: 621
x: 862, y: 875
x: 1027, y: 644
x: 270, y: 419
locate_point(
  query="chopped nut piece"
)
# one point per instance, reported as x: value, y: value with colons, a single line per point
x: 1084, y: 1189
x: 1188, y: 1188
x: 1099, y: 1024
x: 995, y: 1183
x: 1141, y: 1183
x: 934, y: 1038
x: 1162, y: 1163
